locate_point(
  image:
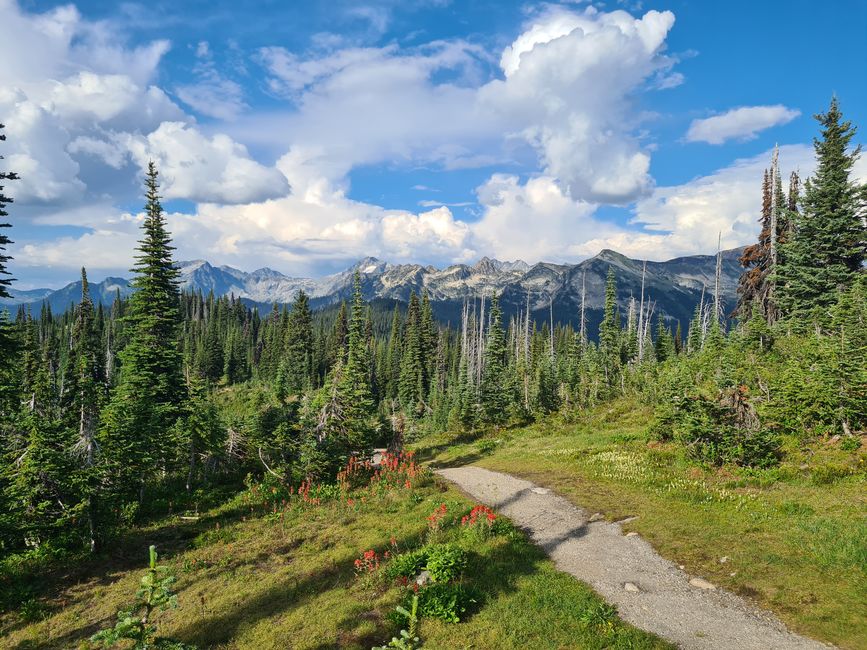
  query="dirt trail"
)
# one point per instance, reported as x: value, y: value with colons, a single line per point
x: 649, y: 591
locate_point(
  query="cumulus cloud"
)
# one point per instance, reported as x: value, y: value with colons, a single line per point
x: 561, y: 107
x: 568, y: 82
x: 739, y: 123
x: 199, y: 168
x: 567, y: 93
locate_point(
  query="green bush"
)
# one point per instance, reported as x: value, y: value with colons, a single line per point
x: 447, y: 602
x: 445, y: 562
x: 406, y: 565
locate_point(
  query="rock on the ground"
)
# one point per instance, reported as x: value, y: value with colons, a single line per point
x: 701, y: 583
x: 631, y: 586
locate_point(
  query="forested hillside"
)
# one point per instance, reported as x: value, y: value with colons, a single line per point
x: 111, y: 416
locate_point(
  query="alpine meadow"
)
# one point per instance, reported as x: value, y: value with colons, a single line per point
x: 652, y: 433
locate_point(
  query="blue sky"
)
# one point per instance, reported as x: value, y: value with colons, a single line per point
x: 303, y: 136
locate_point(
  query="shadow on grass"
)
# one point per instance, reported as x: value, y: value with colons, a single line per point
x: 284, y: 596
x: 50, y: 581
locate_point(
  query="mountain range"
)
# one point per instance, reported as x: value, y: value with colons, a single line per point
x: 675, y: 286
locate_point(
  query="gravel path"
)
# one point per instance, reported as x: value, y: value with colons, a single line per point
x: 650, y: 592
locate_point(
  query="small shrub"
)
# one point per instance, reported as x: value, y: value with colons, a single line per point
x: 406, y: 565
x: 447, y: 602
x: 136, y: 623
x: 445, y: 562
x: 828, y: 474
x: 407, y: 639
x: 487, y: 446
x: 850, y: 443
x: 33, y: 610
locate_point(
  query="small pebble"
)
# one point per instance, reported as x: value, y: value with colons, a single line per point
x: 724, y: 559
x: 701, y: 583
x: 632, y: 534
x: 629, y: 586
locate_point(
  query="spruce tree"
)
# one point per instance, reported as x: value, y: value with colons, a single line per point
x: 493, y: 397
x: 827, y: 249
x: 85, y: 392
x: 412, y: 369
x: 145, y: 404
x: 7, y: 338
x: 5, y: 279
x: 353, y: 386
x: 299, y: 345
x: 609, y: 330
x: 664, y: 348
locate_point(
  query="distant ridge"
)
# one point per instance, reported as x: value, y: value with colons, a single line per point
x: 675, y: 285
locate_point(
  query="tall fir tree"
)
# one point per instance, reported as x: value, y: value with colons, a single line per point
x: 353, y: 387
x: 5, y: 276
x: 85, y: 393
x: 493, y: 396
x: 299, y: 345
x: 145, y: 404
x: 411, y: 387
x: 827, y: 248
x: 7, y: 338
x: 609, y: 330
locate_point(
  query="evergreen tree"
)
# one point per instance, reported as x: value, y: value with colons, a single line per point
x: 493, y: 396
x: 5, y: 279
x: 609, y: 330
x: 85, y: 392
x: 353, y: 388
x: 664, y: 348
x: 8, y: 355
x: 411, y: 387
x: 393, y: 359
x: 827, y: 248
x: 145, y: 404
x: 299, y: 345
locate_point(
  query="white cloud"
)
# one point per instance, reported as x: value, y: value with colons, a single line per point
x: 739, y: 123
x: 213, y: 94
x: 569, y: 87
x: 197, y: 168
x: 726, y: 202
x: 533, y: 221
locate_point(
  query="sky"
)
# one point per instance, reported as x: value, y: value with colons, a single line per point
x: 305, y: 136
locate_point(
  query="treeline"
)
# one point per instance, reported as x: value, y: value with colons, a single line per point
x: 110, y: 414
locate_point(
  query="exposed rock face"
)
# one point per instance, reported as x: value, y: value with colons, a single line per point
x: 675, y: 286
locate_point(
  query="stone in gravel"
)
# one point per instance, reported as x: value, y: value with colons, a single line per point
x: 596, y: 516
x: 632, y: 534
x: 631, y: 586
x: 538, y: 490
x: 701, y: 583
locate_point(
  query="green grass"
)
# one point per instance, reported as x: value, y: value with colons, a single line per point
x: 795, y: 537
x: 253, y: 580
